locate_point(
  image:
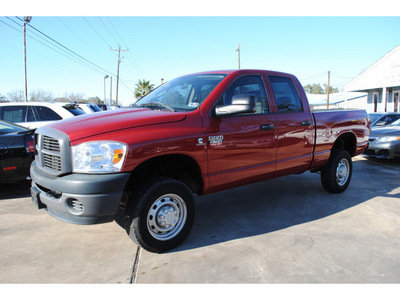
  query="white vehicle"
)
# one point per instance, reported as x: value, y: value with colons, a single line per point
x: 37, y: 114
x: 89, y: 108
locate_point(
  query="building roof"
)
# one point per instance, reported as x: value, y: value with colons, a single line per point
x: 383, y: 73
x: 320, y: 99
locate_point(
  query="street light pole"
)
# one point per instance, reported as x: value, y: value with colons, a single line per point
x: 110, y: 90
x: 26, y: 20
x: 105, y: 77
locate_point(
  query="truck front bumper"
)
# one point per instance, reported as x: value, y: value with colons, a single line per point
x: 78, y: 198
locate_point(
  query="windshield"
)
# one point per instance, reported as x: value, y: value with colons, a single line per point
x: 95, y: 108
x: 374, y: 117
x: 183, y: 93
x: 396, y: 123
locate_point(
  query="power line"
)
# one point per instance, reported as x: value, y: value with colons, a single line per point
x: 73, y: 52
x: 10, y: 26
x: 105, y: 26
x: 63, y: 50
x: 50, y: 46
x: 83, y: 42
x: 133, y: 62
x: 94, y: 29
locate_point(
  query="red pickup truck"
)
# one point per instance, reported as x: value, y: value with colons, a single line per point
x: 196, y: 134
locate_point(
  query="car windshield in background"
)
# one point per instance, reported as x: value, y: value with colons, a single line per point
x: 95, y: 108
x: 396, y: 123
x: 375, y: 117
x: 74, y: 110
x: 181, y: 94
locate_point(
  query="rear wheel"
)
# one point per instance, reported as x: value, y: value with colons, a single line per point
x: 160, y: 214
x: 336, y: 175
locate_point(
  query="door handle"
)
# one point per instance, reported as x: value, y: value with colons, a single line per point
x: 267, y: 127
x: 306, y: 123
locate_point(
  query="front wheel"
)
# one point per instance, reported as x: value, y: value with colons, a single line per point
x: 336, y: 175
x: 160, y: 214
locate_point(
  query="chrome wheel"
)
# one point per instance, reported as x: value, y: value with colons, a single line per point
x: 166, y: 217
x: 342, y: 172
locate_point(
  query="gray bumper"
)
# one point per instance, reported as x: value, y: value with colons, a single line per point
x: 78, y: 198
x: 388, y: 150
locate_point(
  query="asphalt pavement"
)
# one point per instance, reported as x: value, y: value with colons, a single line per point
x: 286, y: 230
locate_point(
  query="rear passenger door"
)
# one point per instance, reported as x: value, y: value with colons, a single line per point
x: 295, y: 127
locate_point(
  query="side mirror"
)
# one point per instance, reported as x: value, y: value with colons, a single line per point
x: 240, y: 104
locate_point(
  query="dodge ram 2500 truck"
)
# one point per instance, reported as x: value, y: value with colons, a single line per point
x: 196, y: 134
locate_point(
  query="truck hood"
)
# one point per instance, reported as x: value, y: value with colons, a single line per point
x: 110, y: 121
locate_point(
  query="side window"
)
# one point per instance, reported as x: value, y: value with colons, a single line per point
x: 14, y: 114
x: 46, y: 114
x: 286, y: 95
x: 247, y: 85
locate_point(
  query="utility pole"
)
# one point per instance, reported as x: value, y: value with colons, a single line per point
x: 238, y: 51
x: 26, y: 20
x: 119, y: 61
x: 327, y: 89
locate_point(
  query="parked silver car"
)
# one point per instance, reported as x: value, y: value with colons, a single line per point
x: 383, y: 119
x: 384, y: 142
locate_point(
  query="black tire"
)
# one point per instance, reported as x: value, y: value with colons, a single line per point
x: 160, y: 214
x: 336, y: 175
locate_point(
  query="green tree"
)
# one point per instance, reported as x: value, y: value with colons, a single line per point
x: 316, y: 88
x: 331, y: 89
x: 143, y: 87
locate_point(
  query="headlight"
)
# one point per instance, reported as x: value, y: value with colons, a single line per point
x: 98, y: 157
x: 386, y: 139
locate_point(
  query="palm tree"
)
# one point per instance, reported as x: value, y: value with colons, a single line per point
x: 143, y: 87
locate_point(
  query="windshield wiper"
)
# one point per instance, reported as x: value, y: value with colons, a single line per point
x: 156, y: 104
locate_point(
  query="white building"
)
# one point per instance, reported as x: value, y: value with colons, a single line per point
x: 346, y: 100
x: 382, y: 83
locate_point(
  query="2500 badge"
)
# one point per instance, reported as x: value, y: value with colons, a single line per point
x: 217, y: 139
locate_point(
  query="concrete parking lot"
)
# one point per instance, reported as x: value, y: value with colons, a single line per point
x: 286, y: 230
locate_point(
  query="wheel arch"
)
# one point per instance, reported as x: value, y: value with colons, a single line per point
x: 346, y: 141
x: 178, y: 166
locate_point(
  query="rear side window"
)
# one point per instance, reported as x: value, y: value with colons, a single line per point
x: 14, y: 114
x: 286, y: 95
x: 46, y: 114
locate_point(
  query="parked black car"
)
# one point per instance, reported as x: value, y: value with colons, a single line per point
x: 16, y: 152
x: 384, y: 142
x: 383, y: 119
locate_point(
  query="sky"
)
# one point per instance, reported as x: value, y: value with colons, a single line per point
x: 172, y: 44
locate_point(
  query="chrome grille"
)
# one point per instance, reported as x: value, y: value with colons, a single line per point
x: 52, y: 161
x: 53, y: 151
x: 51, y: 144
